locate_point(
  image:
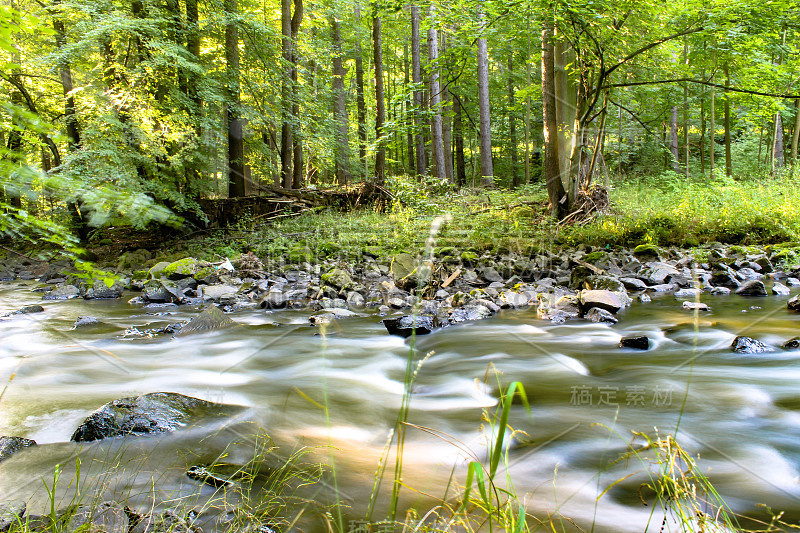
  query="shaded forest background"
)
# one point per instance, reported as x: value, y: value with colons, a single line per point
x: 129, y: 109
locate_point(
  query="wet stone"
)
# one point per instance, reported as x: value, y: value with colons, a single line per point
x: 11, y: 445
x: 748, y: 345
x: 637, y: 343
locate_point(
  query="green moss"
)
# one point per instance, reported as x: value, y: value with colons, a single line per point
x: 441, y: 251
x: 469, y: 257
x: 183, y: 267
x: 595, y: 257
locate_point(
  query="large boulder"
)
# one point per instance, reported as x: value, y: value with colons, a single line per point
x: 209, y: 319
x: 404, y: 271
x: 65, y: 292
x: 752, y: 288
x: 605, y: 283
x: 100, y: 290
x: 608, y: 300
x: 182, y: 268
x: 11, y: 445
x: 156, y: 412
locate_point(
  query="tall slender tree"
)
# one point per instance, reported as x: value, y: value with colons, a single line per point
x: 236, y: 186
x: 416, y: 77
x: 552, y: 175
x: 487, y: 169
x: 340, y: 107
x: 380, y: 106
x: 436, y: 98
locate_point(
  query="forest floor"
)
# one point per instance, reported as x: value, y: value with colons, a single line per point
x: 668, y: 212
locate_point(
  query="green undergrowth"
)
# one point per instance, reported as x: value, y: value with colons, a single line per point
x: 666, y: 210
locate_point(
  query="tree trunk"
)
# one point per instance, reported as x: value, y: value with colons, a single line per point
x: 795, y: 133
x: 712, y: 131
x: 340, y: 108
x: 287, y: 142
x: 235, y: 140
x: 673, y: 139
x: 408, y: 107
x: 298, y: 168
x: 487, y: 172
x: 512, y: 128
x: 728, y: 161
x: 436, y: 98
x: 686, y: 114
x: 71, y: 122
x: 380, y: 109
x: 447, y: 112
x: 777, y: 143
x: 416, y: 77
x: 552, y: 176
x: 360, y: 100
x: 458, y: 132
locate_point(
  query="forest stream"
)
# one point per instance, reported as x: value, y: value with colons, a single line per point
x: 587, y: 395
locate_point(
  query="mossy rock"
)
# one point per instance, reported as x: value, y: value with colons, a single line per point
x: 338, y: 278
x: 373, y: 251
x: 595, y: 257
x: 328, y: 248
x: 469, y: 257
x: 578, y: 277
x: 442, y: 251
x: 182, y: 268
x: 140, y: 275
x: 298, y: 255
x: 157, y: 270
x: 450, y: 260
x: 404, y: 271
x: 647, y: 251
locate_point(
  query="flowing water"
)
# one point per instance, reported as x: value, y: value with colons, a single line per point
x: 586, y: 396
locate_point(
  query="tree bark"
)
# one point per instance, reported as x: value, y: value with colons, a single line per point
x: 436, y: 98
x: 552, y: 175
x: 487, y: 171
x: 298, y: 168
x: 673, y: 139
x: 361, y: 102
x: 512, y: 128
x: 728, y: 161
x: 380, y: 107
x: 686, y: 113
x: 795, y: 133
x: 235, y: 140
x: 287, y: 142
x: 408, y: 107
x: 458, y: 132
x: 416, y: 77
x: 777, y: 143
x: 340, y: 108
x: 712, y: 131
x: 447, y: 112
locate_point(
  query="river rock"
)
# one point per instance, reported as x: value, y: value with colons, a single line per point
x: 355, y: 299
x: 779, y: 289
x: 598, y: 315
x: 637, y: 343
x: 513, y: 299
x: 610, y: 301
x: 101, y: 291
x: 83, y: 321
x: 404, y: 271
x: 791, y: 344
x: 792, y: 282
x: 633, y: 284
x: 201, y: 473
x: 747, y: 273
x: 12, y: 513
x: 210, y: 318
x: 647, y: 252
x: 156, y: 412
x: 407, y: 325
x: 182, y: 268
x: 11, y: 445
x: 491, y: 274
x: 328, y: 315
x: 644, y: 298
x: 28, y: 309
x: 695, y: 306
x: 725, y: 278
x: 687, y: 293
x: 108, y: 517
x: 752, y: 288
x: 218, y: 292
x: 161, y: 291
x: 338, y: 278
x: 605, y: 283
x: 65, y: 292
x: 274, y: 300
x: 794, y: 303
x: 721, y: 290
x: 469, y: 312
x: 748, y: 345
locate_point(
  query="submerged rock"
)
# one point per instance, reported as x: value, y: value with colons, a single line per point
x: 156, y: 412
x: 209, y: 319
x: 201, y: 473
x: 637, y: 343
x: 11, y: 445
x: 791, y: 344
x: 695, y: 306
x: 83, y: 321
x: 407, y: 325
x: 748, y: 345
